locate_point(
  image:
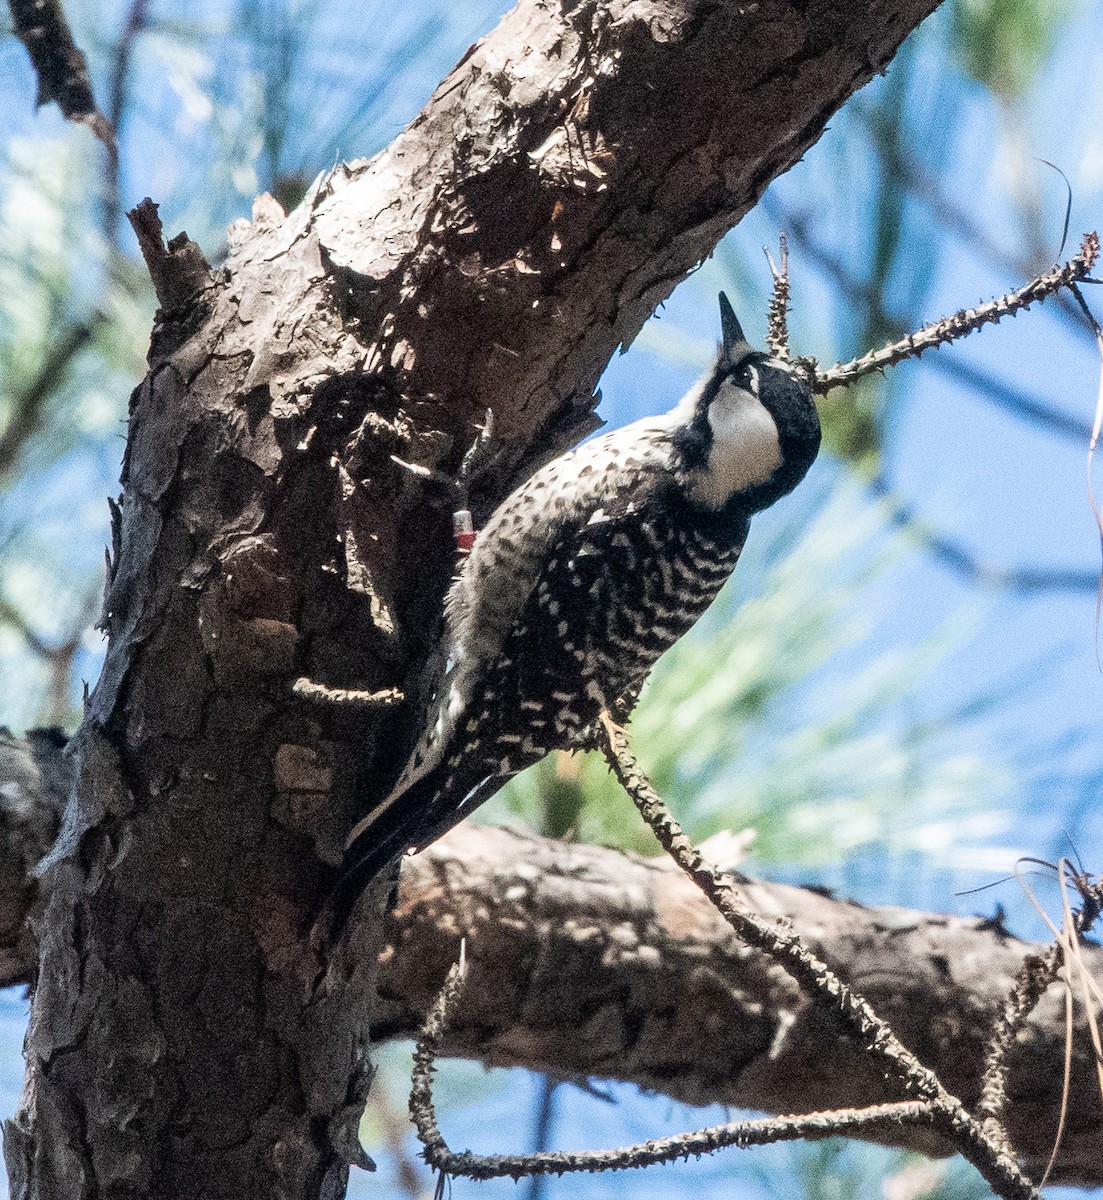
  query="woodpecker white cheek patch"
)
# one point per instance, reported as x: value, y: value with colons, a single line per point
x: 745, y: 449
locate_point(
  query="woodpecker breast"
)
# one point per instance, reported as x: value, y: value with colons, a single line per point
x: 584, y: 576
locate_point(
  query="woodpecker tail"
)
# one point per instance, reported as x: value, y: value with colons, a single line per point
x: 410, y: 819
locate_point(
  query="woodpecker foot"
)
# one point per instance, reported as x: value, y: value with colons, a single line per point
x: 474, y: 462
x: 479, y: 453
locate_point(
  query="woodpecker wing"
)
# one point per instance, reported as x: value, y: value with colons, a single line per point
x: 486, y: 600
x: 609, y: 595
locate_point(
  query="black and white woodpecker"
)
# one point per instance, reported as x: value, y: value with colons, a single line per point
x: 581, y: 579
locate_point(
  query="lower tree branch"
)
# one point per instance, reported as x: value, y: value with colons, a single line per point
x: 756, y: 1131
x: 589, y: 962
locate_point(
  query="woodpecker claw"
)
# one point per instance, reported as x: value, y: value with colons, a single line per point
x: 478, y: 453
x: 472, y: 465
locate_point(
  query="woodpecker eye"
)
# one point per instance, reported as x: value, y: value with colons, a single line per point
x: 747, y: 377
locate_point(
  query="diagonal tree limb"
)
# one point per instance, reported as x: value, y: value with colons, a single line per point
x: 1007, y: 396
x: 847, y: 1008
x: 949, y: 329
x: 61, y: 68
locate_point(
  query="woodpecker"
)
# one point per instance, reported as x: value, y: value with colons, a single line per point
x: 581, y: 579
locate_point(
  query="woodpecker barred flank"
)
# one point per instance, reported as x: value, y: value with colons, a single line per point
x: 581, y: 579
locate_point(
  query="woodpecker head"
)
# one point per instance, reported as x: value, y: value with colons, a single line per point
x: 749, y: 431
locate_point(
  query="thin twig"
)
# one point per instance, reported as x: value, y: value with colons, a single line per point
x: 755, y: 1132
x: 1067, y: 938
x: 989, y: 1153
x: 1006, y: 396
x: 10, y: 615
x: 850, y: 1011
x: 28, y: 403
x: 777, y: 319
x: 854, y: 1013
x: 950, y: 328
x: 1035, y: 975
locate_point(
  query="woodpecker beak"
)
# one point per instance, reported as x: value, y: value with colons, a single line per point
x: 736, y: 345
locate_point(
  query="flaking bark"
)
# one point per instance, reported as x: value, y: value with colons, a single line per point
x: 187, y: 1037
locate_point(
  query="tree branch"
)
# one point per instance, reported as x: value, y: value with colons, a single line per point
x: 61, y: 68
x: 755, y: 1131
x: 960, y: 324
x: 605, y: 964
x: 1007, y: 396
x: 29, y: 402
x: 601, y: 964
